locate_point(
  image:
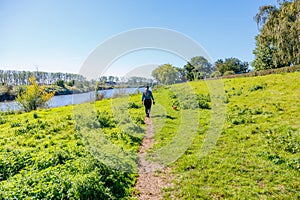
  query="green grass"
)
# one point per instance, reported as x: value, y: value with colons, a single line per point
x: 50, y: 154
x: 240, y: 141
x: 257, y: 153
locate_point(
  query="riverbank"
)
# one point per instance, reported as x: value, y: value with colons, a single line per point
x: 47, y: 153
x: 73, y: 99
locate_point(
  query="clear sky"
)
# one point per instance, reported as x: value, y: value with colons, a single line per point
x: 58, y: 35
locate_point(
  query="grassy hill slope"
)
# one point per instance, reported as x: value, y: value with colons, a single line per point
x: 89, y: 151
x: 257, y: 154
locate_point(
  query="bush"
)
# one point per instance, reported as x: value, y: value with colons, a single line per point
x: 134, y: 105
x: 2, y: 120
x: 256, y: 87
x: 215, y: 74
x: 203, y: 101
x: 282, y: 70
x: 105, y: 119
x: 34, y: 96
x: 228, y: 73
x: 60, y: 83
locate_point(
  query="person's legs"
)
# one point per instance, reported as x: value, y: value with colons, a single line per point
x: 147, y: 103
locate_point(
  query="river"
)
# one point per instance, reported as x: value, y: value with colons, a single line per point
x: 64, y: 100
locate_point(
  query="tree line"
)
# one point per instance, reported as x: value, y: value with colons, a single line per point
x: 277, y: 45
x: 15, y: 78
x: 199, y: 68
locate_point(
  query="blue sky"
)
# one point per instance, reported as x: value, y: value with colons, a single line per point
x: 58, y: 35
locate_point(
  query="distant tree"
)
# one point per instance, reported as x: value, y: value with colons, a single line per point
x: 218, y: 64
x: 278, y: 43
x: 60, y: 83
x: 71, y: 83
x: 198, y: 68
x: 231, y: 64
x: 181, y: 74
x: 34, y: 96
x: 165, y: 74
x: 111, y: 79
x: 189, y: 69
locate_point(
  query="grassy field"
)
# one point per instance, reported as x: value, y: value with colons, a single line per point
x: 240, y: 141
x: 257, y: 152
x: 49, y: 154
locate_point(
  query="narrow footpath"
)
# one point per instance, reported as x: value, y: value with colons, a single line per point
x: 152, y: 177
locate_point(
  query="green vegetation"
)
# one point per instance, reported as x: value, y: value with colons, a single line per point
x: 257, y: 155
x: 233, y: 65
x: 166, y: 74
x: 34, y: 96
x: 89, y: 151
x: 278, y: 43
x: 197, y: 68
x: 45, y: 155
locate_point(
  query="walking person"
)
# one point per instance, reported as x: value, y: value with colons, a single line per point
x: 147, y: 99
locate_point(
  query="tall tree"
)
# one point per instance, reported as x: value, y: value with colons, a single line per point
x: 198, y: 68
x: 278, y: 43
x: 165, y: 74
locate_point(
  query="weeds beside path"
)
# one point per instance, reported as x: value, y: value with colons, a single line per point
x: 152, y: 177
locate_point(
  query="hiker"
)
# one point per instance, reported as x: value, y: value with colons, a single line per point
x: 147, y: 100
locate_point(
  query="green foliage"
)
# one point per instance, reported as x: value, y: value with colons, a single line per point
x: 257, y: 87
x: 105, y: 119
x: 60, y: 83
x: 34, y: 96
x: 35, y: 115
x: 71, y: 83
x: 228, y: 73
x: 2, y: 120
x: 267, y: 72
x: 204, y: 101
x: 198, y: 68
x: 215, y: 74
x: 43, y: 155
x: 278, y: 44
x: 133, y: 105
x: 166, y: 74
x: 231, y: 64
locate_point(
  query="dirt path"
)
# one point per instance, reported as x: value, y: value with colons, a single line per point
x: 152, y: 177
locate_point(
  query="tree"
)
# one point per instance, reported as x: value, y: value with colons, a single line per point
x: 198, y: 68
x: 165, y: 74
x: 181, y: 74
x: 189, y: 68
x: 34, y: 96
x: 60, y: 83
x: 231, y: 64
x: 278, y: 44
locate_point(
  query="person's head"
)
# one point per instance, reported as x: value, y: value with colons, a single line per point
x: 147, y: 88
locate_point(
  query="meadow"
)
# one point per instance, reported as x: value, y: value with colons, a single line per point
x: 257, y: 152
x: 89, y: 151
x: 46, y: 154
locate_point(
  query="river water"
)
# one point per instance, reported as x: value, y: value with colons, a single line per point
x: 65, y: 100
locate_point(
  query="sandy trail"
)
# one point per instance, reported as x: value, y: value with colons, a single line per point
x: 152, y: 177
